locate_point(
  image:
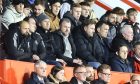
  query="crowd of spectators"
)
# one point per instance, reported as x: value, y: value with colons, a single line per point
x: 68, y: 33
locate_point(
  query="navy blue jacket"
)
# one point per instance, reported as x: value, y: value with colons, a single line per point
x: 118, y: 64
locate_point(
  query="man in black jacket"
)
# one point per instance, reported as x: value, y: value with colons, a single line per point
x: 39, y: 76
x: 104, y: 75
x: 64, y: 45
x: 83, y: 39
x: 101, y: 45
x: 23, y: 45
x: 79, y: 73
x: 44, y: 30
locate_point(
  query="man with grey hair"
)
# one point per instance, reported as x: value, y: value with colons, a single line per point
x: 39, y: 74
x: 125, y: 37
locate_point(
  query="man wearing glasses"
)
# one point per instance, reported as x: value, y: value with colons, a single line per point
x: 104, y: 75
x: 135, y: 79
x: 79, y: 73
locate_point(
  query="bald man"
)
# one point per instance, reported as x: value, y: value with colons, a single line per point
x: 21, y: 44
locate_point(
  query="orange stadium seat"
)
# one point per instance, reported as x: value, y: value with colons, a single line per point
x: 16, y: 72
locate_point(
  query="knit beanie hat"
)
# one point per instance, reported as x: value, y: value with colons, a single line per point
x: 42, y: 17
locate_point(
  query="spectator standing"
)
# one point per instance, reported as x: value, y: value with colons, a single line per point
x: 132, y: 20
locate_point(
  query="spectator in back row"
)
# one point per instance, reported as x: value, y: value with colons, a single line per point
x: 53, y: 14
x: 120, y: 17
x: 104, y: 75
x: 111, y: 20
x: 132, y: 20
x: 38, y: 9
x: 85, y: 13
x: 14, y: 13
x: 64, y: 45
x: 74, y: 16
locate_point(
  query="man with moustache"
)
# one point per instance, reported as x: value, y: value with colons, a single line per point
x: 90, y: 73
x: 21, y: 44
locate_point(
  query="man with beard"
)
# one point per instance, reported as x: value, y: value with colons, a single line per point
x: 21, y: 44
x: 63, y: 44
x: 90, y: 73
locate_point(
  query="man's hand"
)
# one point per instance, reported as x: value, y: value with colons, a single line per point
x: 62, y: 61
x: 78, y: 61
x: 35, y: 57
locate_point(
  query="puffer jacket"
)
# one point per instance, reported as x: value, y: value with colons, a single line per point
x: 11, y: 16
x: 20, y: 47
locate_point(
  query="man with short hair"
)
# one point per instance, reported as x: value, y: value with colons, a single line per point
x: 85, y: 13
x: 64, y: 45
x: 90, y: 73
x: 38, y: 8
x: 120, y: 17
x: 39, y: 74
x: 104, y: 75
x: 111, y: 20
x: 101, y: 47
x: 132, y: 14
x: 79, y: 73
x: 53, y: 14
x: 14, y: 13
x: 74, y: 15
